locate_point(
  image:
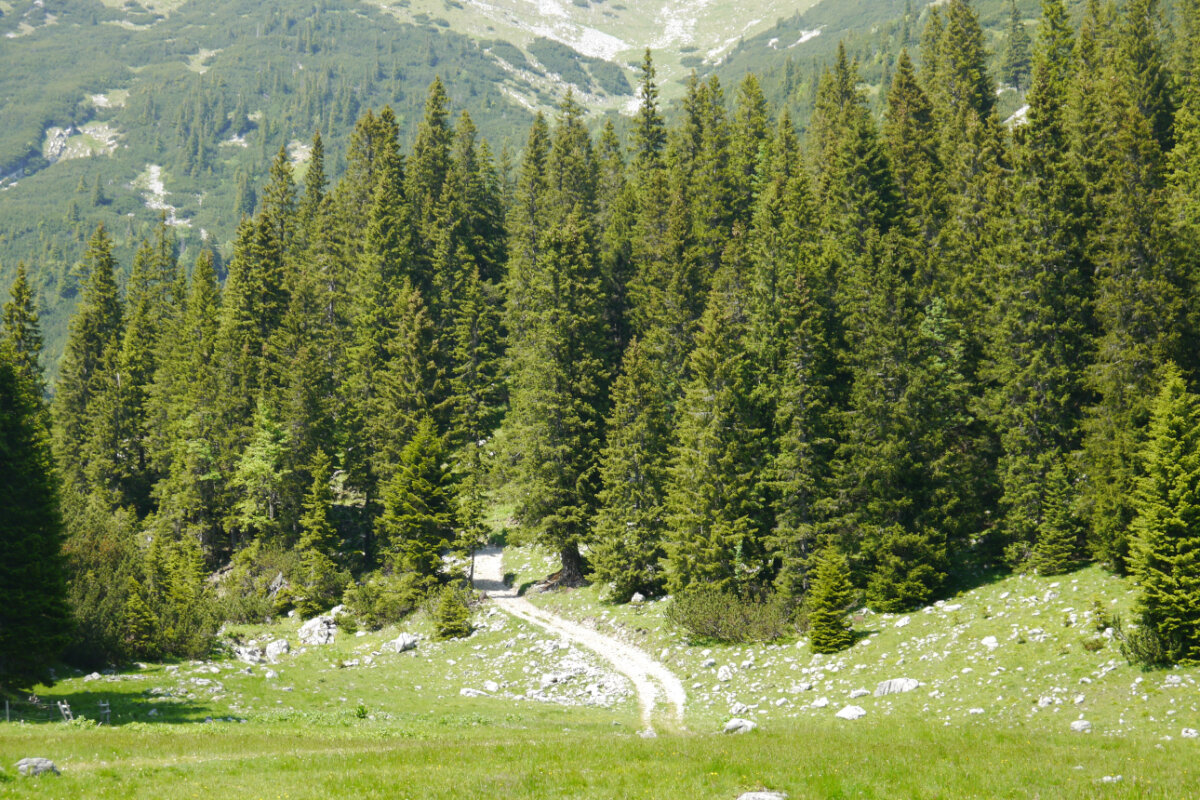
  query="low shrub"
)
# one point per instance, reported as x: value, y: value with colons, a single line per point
x: 709, y: 613
x: 380, y: 599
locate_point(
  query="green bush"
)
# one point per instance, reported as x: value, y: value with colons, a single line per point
x: 256, y: 585
x: 380, y: 599
x: 708, y: 613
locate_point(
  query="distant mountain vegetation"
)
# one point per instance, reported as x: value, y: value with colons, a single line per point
x: 120, y: 113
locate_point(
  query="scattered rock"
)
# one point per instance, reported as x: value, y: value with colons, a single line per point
x: 762, y: 796
x: 1081, y: 726
x: 725, y: 674
x: 277, y: 648
x: 318, y: 630
x: 951, y: 607
x: 1189, y: 733
x: 851, y: 712
x: 975, y: 710
x: 95, y: 676
x: 491, y: 686
x: 152, y: 713
x: 990, y: 642
x: 338, y: 611
x: 1112, y: 779
x: 648, y: 733
x: 33, y: 767
x: 820, y: 702
x: 637, y: 598
x: 738, y: 708
x: 466, y: 692
x: 248, y: 654
x: 708, y: 663
x: 900, y: 623
x: 402, y: 643
x: 739, y: 725
x: 896, y: 686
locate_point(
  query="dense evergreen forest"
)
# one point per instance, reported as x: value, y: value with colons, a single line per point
x: 879, y: 363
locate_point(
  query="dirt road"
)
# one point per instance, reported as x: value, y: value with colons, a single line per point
x: 653, y: 681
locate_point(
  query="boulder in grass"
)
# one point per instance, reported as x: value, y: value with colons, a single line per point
x: 402, y: 643
x: 33, y: 767
x: 318, y: 630
x: 1081, y: 726
x: 762, y: 796
x: 896, y: 686
x: 276, y: 649
x: 248, y: 654
x: 739, y: 725
x: 851, y: 712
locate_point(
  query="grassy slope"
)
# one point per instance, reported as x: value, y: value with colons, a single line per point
x: 303, y: 736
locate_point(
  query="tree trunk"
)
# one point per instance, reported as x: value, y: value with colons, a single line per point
x: 572, y: 567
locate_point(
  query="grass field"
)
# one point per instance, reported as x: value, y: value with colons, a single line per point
x: 351, y: 719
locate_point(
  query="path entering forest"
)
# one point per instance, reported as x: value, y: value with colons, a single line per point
x: 651, y: 679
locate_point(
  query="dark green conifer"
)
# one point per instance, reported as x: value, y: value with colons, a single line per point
x: 34, y: 619
x: 1167, y: 524
x: 22, y: 327
x: 828, y: 601
x: 717, y: 515
x: 1017, y: 61
x: 632, y: 521
x: 417, y: 524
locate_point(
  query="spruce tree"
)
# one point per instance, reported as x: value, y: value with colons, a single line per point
x: 185, y: 404
x: 910, y: 135
x: 1167, y: 524
x: 631, y: 523
x: 828, y: 602
x: 559, y: 380
x: 34, y: 619
x: 418, y: 517
x: 93, y: 343
x: 1139, y: 313
x: 1017, y: 62
x: 1041, y: 312
x: 318, y: 584
x: 22, y: 327
x: 717, y: 516
x: 1058, y: 544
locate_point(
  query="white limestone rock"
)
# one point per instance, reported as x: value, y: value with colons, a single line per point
x: 276, y: 649
x: 896, y: 686
x: 851, y: 712
x: 739, y: 725
x: 1081, y: 726
x: 34, y: 767
x: 318, y: 631
x: 402, y: 643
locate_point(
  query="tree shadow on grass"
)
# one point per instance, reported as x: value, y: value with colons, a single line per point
x: 123, y: 707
